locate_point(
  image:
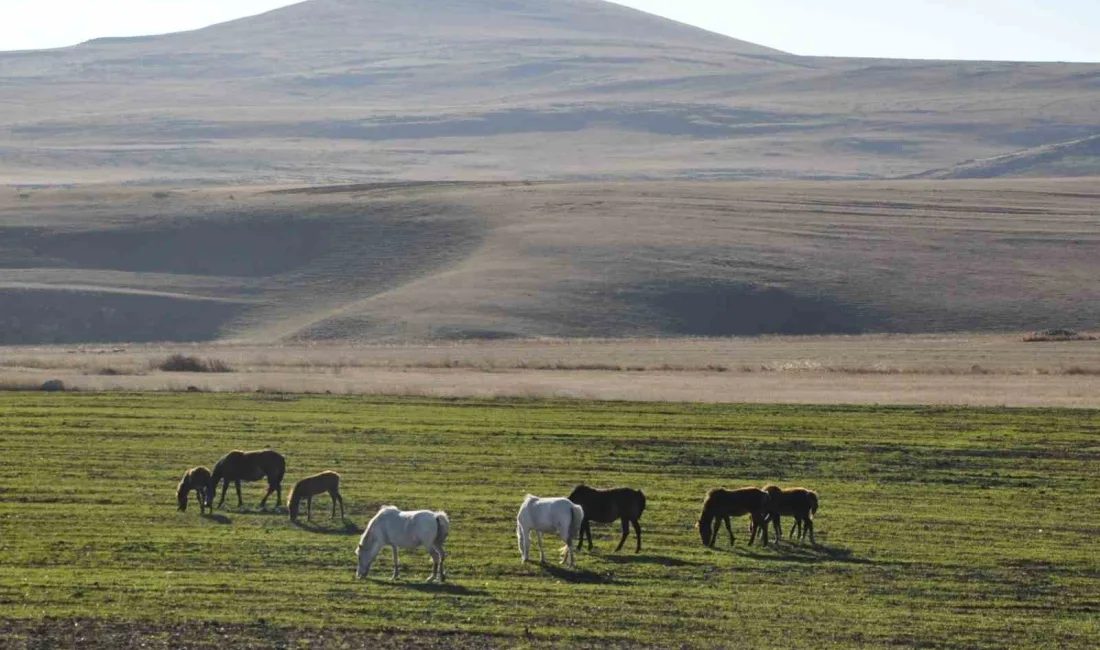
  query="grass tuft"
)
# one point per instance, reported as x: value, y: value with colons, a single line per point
x: 1059, y: 335
x: 183, y: 363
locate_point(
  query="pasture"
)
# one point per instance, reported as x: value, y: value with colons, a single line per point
x: 939, y: 527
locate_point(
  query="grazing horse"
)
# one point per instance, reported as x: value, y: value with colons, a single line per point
x: 552, y: 515
x: 240, y: 466
x: 311, y: 486
x: 605, y: 506
x: 406, y: 530
x: 722, y: 504
x: 799, y: 503
x: 197, y: 479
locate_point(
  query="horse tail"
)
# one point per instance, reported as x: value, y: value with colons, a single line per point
x: 443, y: 527
x: 575, y: 523
x: 641, y: 503
x: 278, y: 471
x: 813, y: 504
x: 291, y: 500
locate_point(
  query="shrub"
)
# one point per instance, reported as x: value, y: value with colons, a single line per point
x: 183, y: 363
x: 1058, y: 334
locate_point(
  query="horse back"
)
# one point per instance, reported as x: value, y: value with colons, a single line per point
x: 736, y: 503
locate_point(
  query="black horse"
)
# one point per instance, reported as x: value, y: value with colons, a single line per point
x: 240, y: 466
x: 720, y: 505
x: 605, y: 506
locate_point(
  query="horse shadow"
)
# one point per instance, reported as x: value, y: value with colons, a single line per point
x: 245, y: 510
x: 348, y: 527
x: 217, y: 518
x: 662, y: 560
x: 578, y: 576
x: 437, y: 588
x: 787, y: 552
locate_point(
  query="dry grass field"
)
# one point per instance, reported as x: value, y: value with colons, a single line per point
x: 971, y: 369
x: 457, y: 261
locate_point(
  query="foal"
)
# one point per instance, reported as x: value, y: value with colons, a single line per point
x: 311, y: 486
x: 197, y: 479
x: 395, y: 528
x: 799, y: 503
x: 605, y: 506
x: 722, y: 504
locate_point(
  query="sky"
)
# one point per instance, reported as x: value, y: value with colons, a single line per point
x: 1014, y: 30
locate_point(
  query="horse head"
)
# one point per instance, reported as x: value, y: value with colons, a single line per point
x: 704, y: 527
x: 181, y: 494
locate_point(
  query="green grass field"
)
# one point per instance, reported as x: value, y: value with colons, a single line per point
x: 938, y: 527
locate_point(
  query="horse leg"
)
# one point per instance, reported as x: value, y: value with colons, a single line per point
x: 729, y: 529
x: 396, y: 565
x: 626, y: 533
x: 263, y: 501
x: 225, y: 486
x: 542, y: 555
x: 240, y: 501
x: 309, y: 508
x: 434, y: 554
x: 580, y: 542
x: 777, y: 526
x: 716, y: 528
x: 761, y: 525
x: 334, y: 495
x: 520, y: 537
x: 638, y: 535
x: 810, y: 527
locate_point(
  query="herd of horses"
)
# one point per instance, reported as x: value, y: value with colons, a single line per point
x: 568, y: 517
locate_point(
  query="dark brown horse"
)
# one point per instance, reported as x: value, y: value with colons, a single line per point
x: 197, y: 479
x: 240, y: 466
x: 605, y: 506
x: 799, y: 503
x: 722, y: 504
x: 311, y: 486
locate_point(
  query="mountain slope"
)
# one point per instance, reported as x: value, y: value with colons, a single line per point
x: 349, y: 90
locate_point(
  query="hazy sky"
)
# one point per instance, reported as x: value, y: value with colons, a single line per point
x: 1033, y: 30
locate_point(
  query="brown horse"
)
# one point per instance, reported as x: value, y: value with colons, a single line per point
x: 311, y: 486
x: 722, y: 504
x: 605, y: 506
x: 799, y: 503
x: 197, y: 479
x: 240, y: 466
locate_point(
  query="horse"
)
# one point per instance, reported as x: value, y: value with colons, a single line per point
x: 406, y: 530
x: 799, y: 503
x: 551, y: 515
x: 310, y: 486
x: 722, y: 504
x: 240, y: 466
x: 197, y: 479
x: 605, y: 506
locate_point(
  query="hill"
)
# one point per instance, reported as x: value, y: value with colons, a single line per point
x: 1078, y: 157
x: 401, y: 262
x: 332, y: 91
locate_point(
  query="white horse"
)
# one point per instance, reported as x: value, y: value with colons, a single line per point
x: 411, y: 529
x: 554, y: 515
